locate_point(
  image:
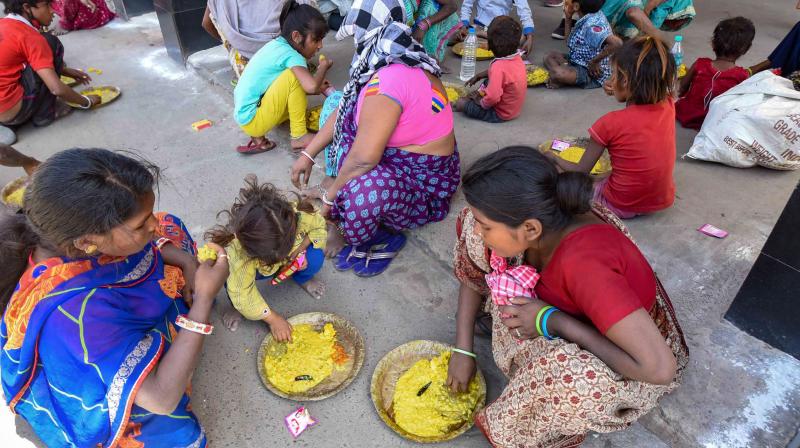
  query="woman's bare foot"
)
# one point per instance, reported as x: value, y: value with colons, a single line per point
x: 62, y: 109
x: 335, y: 242
x: 231, y: 319
x: 302, y: 142
x: 314, y: 287
x: 12, y: 158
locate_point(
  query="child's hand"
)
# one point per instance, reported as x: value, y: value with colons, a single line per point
x: 95, y: 99
x: 189, y: 275
x: 325, y: 63
x: 280, y: 328
x: 473, y: 80
x: 594, y: 68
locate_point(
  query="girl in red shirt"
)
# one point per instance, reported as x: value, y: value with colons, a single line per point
x: 31, y: 63
x: 611, y: 346
x: 641, y: 137
x: 708, y: 79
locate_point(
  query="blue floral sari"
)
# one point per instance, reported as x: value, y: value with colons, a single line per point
x: 79, y: 337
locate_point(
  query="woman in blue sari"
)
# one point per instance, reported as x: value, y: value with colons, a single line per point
x: 98, y: 342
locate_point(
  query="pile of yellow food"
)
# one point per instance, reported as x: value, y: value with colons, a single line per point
x: 483, y: 53
x: 312, y: 118
x: 206, y: 253
x: 574, y: 154
x: 538, y: 76
x: 311, y: 356
x: 15, y: 197
x: 452, y: 94
x: 105, y: 94
x: 681, y: 70
x: 423, y: 403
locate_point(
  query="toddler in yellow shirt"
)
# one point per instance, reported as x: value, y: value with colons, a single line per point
x: 269, y: 237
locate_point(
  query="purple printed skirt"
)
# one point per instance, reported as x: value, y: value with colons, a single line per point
x: 404, y: 191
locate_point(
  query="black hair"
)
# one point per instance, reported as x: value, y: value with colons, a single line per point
x: 305, y: 19
x: 590, y: 6
x: 648, y: 68
x: 73, y: 193
x: 733, y: 37
x: 518, y: 183
x: 263, y: 220
x: 16, y: 6
x: 504, y: 34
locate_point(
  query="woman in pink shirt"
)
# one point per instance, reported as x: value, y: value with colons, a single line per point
x: 390, y: 147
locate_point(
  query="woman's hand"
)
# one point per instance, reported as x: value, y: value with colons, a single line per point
x: 527, y: 47
x: 522, y: 320
x: 419, y: 35
x: 210, y: 276
x: 301, y: 172
x: 78, y: 75
x: 280, y: 328
x: 460, y: 372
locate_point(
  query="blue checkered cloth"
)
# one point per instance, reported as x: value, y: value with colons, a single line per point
x: 586, y: 42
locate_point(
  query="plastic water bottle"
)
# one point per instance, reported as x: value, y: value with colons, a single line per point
x: 677, y: 50
x: 468, y: 56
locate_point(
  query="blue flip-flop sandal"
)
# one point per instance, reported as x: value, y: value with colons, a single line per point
x: 380, y: 256
x: 350, y: 256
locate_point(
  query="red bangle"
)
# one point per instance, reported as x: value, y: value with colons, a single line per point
x: 190, y: 325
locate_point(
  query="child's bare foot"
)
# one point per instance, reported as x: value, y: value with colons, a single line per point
x: 231, y: 319
x: 551, y: 84
x: 302, y: 142
x: 314, y: 287
x: 335, y: 242
x: 13, y: 158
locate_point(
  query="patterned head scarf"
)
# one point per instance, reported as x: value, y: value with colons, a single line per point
x: 381, y: 38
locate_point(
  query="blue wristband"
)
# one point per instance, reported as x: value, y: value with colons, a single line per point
x: 544, y: 324
x: 465, y: 23
x: 527, y: 30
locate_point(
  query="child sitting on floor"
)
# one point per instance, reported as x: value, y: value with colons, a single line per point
x: 590, y: 43
x: 708, y: 79
x: 268, y: 237
x: 274, y: 85
x: 488, y: 10
x: 501, y: 97
x: 641, y: 137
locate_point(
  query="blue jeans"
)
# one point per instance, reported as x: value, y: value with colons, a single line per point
x: 314, y: 259
x: 583, y: 78
x: 474, y: 110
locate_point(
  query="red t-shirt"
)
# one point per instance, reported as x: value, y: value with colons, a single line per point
x: 641, y: 142
x: 597, y: 274
x: 507, y: 87
x: 707, y: 84
x: 20, y: 45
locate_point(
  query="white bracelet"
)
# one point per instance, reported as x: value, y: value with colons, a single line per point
x: 325, y: 199
x: 308, y: 156
x: 88, y: 100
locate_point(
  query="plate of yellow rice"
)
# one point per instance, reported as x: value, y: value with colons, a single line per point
x: 411, y: 396
x: 324, y: 356
x: 575, y: 152
x: 482, y: 53
x: 107, y: 95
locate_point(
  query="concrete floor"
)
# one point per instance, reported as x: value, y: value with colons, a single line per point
x: 737, y: 392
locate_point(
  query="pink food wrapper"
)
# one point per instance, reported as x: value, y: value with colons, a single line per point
x: 559, y: 145
x: 298, y: 421
x: 714, y: 231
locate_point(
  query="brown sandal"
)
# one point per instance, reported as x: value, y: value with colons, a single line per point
x: 253, y: 148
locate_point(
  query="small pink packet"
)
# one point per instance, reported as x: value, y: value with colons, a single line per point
x: 559, y: 145
x: 298, y: 421
x: 710, y: 230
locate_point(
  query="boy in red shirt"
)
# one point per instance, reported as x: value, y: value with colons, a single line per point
x: 501, y: 97
x: 641, y: 137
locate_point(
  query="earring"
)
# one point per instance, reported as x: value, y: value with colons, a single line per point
x: 91, y: 249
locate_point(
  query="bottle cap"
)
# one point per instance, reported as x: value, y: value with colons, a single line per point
x: 472, y: 30
x: 678, y: 38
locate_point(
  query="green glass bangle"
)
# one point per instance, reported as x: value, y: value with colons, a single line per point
x: 464, y: 352
x: 539, y: 318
